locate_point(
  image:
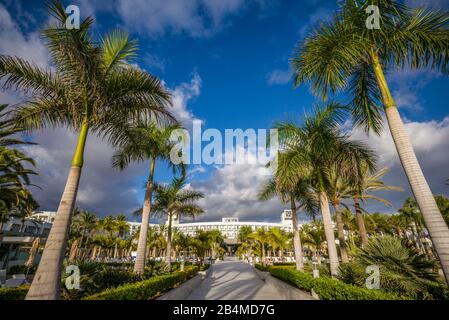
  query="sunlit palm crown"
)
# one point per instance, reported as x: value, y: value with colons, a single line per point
x: 89, y: 81
x: 142, y: 141
x: 336, y: 55
x: 174, y: 198
x: 311, y: 150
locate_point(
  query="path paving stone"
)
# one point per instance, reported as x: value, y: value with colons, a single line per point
x: 234, y: 280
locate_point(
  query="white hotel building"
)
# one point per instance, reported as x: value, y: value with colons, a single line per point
x: 229, y: 227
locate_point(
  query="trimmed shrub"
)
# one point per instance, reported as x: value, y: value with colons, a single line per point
x: 204, y: 267
x: 260, y: 267
x: 18, y: 293
x: 147, y: 289
x: 328, y: 288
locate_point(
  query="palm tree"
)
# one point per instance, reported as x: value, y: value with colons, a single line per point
x: 278, y: 239
x: 175, y: 200
x: 261, y: 236
x: 14, y: 176
x: 25, y: 207
x: 183, y: 243
x: 300, y: 193
x: 337, y: 190
x: 145, y: 141
x: 93, y: 88
x: 85, y: 223
x: 121, y: 227
x: 311, y: 150
x: 244, y: 232
x: 313, y: 236
x: 345, y: 54
x: 362, y: 187
x: 402, y: 267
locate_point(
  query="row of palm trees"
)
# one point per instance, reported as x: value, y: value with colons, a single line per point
x: 93, y: 89
x: 110, y: 239
x: 342, y: 55
x: 406, y: 225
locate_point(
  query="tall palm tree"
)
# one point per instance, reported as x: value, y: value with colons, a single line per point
x: 312, y: 149
x: 361, y: 191
x: 145, y: 141
x: 337, y: 190
x: 173, y: 201
x: 345, y: 54
x: 261, y: 236
x: 300, y: 197
x: 93, y: 88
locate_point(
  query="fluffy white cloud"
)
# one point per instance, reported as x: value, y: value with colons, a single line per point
x: 182, y: 95
x: 15, y: 42
x: 430, y: 140
x: 406, y: 86
x: 232, y: 191
x: 279, y: 76
x: 197, y: 17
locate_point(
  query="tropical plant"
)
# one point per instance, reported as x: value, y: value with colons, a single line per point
x: 145, y: 141
x: 92, y: 88
x: 172, y: 201
x: 313, y: 237
x: 262, y: 238
x: 300, y: 196
x: 402, y: 268
x: 361, y: 191
x: 345, y: 54
x: 14, y: 175
x: 312, y: 149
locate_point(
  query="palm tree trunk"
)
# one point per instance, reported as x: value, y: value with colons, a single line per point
x: 329, y: 232
x: 360, y: 222
x: 139, y: 265
x: 341, y: 233
x: 438, y: 230
x: 46, y: 283
x: 168, y: 251
x: 263, y: 253
x: 296, y: 239
x: 73, y: 250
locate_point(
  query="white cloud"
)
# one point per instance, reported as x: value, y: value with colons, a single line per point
x: 232, y: 191
x: 407, y: 84
x: 182, y: 95
x: 430, y: 140
x: 14, y: 42
x: 279, y: 76
x: 197, y: 18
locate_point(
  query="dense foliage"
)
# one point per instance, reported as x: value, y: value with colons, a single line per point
x: 147, y: 289
x: 328, y: 288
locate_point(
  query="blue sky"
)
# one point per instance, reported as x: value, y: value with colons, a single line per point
x: 227, y: 64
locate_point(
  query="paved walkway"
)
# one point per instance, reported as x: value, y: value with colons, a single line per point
x: 233, y: 280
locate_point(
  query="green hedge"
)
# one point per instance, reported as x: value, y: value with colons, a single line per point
x: 18, y: 293
x: 145, y: 290
x: 328, y: 288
